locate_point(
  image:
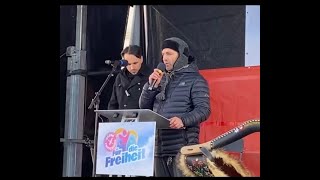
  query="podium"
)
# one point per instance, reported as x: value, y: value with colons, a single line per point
x: 135, y: 115
x: 128, y: 118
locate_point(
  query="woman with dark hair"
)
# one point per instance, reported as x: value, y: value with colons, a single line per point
x: 129, y: 82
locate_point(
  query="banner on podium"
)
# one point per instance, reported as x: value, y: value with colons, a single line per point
x: 126, y: 148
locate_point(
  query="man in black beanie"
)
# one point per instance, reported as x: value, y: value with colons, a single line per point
x: 180, y: 94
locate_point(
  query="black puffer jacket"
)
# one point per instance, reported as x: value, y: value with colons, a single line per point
x: 186, y: 97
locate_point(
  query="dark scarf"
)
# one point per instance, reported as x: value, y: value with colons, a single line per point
x: 167, y: 78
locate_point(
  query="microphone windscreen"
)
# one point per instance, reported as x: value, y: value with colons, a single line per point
x: 123, y: 62
x: 161, y: 66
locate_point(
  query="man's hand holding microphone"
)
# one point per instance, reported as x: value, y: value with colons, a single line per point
x: 156, y: 76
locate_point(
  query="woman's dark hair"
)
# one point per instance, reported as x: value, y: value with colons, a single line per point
x: 132, y: 49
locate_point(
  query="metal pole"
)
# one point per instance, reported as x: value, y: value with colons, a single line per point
x: 75, y: 95
x: 135, y: 31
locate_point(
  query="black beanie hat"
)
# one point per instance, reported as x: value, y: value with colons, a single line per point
x: 170, y: 44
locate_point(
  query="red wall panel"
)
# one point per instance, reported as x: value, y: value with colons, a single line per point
x: 234, y: 98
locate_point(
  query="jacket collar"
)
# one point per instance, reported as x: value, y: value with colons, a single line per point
x: 126, y: 83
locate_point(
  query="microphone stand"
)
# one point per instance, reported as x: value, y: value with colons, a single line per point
x: 95, y: 102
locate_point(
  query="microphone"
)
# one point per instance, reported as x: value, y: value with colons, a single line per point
x: 121, y: 62
x: 160, y: 68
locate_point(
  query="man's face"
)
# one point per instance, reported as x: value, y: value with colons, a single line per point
x: 134, y: 63
x: 169, y: 57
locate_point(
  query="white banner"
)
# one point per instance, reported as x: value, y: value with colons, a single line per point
x: 126, y: 148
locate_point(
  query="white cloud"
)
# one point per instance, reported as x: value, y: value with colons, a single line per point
x: 149, y: 151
